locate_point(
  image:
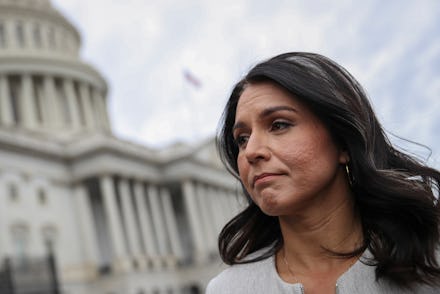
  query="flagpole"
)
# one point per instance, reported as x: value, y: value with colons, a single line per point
x: 190, y: 84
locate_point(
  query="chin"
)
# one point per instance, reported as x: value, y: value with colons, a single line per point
x: 270, y: 207
x: 271, y: 213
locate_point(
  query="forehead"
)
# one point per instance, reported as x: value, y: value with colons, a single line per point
x: 265, y: 95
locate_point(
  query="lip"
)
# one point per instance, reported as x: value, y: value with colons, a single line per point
x: 263, y: 178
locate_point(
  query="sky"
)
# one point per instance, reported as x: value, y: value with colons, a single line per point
x: 143, y: 49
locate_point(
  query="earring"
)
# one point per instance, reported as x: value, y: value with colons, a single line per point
x: 349, y: 176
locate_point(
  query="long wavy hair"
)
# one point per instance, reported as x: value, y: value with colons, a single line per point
x: 395, y: 194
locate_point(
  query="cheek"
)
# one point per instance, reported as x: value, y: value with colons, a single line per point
x: 298, y: 156
x: 310, y: 156
x: 323, y: 159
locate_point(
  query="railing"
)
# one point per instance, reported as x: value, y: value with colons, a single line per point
x: 29, y: 276
x: 6, y: 285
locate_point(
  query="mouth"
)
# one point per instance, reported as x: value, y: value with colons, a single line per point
x: 261, y: 178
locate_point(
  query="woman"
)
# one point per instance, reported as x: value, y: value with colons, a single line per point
x: 332, y: 205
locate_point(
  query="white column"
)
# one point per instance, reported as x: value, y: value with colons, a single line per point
x: 215, y: 209
x: 5, y: 102
x: 51, y: 103
x: 5, y: 248
x: 86, y: 105
x: 171, y: 224
x: 104, y: 109
x: 233, y: 203
x: 147, y: 232
x: 206, y: 218
x: 121, y: 262
x: 100, y: 118
x: 130, y: 222
x: 226, y: 208
x: 194, y: 218
x: 86, y: 226
x: 94, y: 101
x: 156, y: 211
x: 27, y: 99
x: 72, y: 103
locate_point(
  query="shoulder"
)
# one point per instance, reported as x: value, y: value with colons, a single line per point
x: 361, y: 278
x: 238, y: 277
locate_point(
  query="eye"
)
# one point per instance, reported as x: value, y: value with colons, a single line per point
x: 280, y: 125
x: 241, y: 140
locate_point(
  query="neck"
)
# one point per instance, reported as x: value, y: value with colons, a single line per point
x: 310, y: 238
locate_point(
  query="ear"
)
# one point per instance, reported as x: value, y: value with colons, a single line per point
x: 344, y: 158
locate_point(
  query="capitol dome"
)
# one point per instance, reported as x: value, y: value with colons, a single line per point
x: 44, y: 86
x: 114, y: 216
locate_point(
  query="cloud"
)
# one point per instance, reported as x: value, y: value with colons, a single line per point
x: 141, y: 47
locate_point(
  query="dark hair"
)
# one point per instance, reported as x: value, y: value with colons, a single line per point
x: 395, y: 194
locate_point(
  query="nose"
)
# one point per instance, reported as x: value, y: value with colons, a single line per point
x: 257, y: 149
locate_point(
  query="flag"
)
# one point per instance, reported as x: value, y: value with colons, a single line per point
x: 190, y: 78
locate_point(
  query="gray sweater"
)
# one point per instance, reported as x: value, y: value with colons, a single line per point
x: 262, y: 278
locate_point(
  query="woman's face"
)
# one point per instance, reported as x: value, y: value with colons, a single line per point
x: 287, y: 160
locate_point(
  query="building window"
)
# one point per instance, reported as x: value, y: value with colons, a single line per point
x: 64, y: 41
x: 64, y: 104
x: 42, y: 197
x: 2, y: 36
x: 14, y: 95
x: 20, y: 242
x: 37, y: 36
x: 80, y: 104
x: 51, y: 38
x: 20, y: 34
x: 39, y: 94
x: 13, y: 193
x: 49, y: 235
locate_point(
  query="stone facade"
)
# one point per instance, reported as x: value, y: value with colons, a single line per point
x: 120, y: 218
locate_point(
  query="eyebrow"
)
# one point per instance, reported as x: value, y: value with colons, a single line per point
x: 265, y: 113
x: 268, y: 111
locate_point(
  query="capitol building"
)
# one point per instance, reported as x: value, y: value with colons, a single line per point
x: 82, y: 211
